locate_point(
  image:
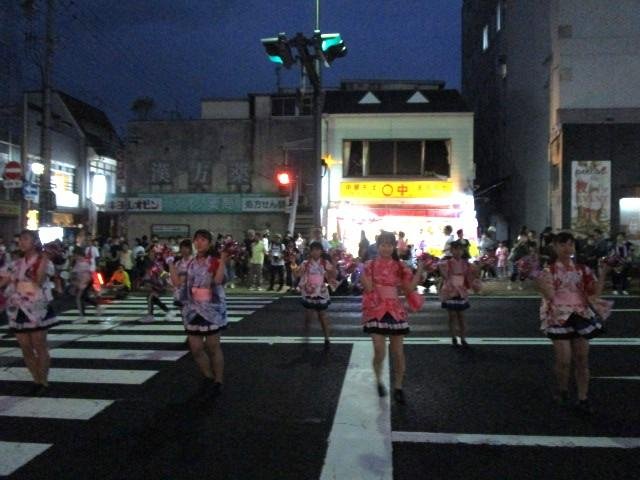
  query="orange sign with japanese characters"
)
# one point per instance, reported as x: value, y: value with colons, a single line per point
x: 395, y: 189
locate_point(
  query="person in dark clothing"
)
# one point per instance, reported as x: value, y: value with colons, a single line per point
x: 601, y: 243
x: 363, y: 246
x: 464, y: 244
x: 622, y: 253
x: 519, y: 250
x: 587, y: 254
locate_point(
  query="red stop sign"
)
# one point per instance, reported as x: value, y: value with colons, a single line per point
x: 13, y: 171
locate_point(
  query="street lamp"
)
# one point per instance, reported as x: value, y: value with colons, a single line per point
x: 37, y: 168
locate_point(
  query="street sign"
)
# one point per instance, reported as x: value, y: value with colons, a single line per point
x: 12, y: 183
x: 30, y: 191
x: 12, y: 175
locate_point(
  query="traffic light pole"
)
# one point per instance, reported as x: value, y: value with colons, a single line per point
x: 327, y: 47
x: 317, y: 135
x: 316, y: 203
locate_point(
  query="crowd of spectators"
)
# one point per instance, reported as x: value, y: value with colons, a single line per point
x: 263, y: 260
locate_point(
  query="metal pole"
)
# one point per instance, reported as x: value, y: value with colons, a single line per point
x: 317, y: 136
x: 294, y: 205
x: 317, y: 154
x: 45, y: 132
x: 24, y: 159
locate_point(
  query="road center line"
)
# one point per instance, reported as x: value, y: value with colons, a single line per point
x: 360, y: 439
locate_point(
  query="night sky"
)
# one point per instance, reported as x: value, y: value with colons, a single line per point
x: 178, y: 51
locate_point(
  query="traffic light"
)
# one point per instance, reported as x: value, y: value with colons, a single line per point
x: 284, y: 178
x: 329, y: 46
x: 279, y: 50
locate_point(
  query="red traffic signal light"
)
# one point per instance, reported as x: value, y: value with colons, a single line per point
x: 283, y: 177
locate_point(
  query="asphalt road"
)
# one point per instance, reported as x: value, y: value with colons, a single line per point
x: 125, y: 400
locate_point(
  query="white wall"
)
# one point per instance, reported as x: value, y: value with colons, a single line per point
x: 600, y: 62
x: 455, y: 126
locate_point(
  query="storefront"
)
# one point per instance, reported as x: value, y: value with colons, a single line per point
x: 398, y: 160
x: 420, y: 209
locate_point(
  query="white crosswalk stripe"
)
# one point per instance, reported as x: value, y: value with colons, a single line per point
x: 13, y: 455
x: 82, y: 375
x: 60, y: 408
x: 104, y: 354
x: 117, y: 323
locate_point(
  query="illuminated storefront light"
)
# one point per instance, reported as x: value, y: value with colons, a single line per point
x: 99, y: 189
x: 630, y: 217
x: 32, y: 220
x: 62, y: 180
x: 49, y: 234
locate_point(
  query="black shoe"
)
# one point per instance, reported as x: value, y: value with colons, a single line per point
x: 398, y: 396
x: 38, y: 390
x: 464, y: 343
x: 454, y: 341
x: 327, y: 344
x: 216, y: 389
x: 382, y: 390
x: 210, y: 388
x: 584, y: 407
x: 562, y: 398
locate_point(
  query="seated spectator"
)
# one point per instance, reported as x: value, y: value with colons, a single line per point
x: 120, y: 282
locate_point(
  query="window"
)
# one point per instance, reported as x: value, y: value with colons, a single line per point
x: 408, y: 158
x: 306, y: 105
x: 354, y: 155
x: 283, y: 106
x: 423, y: 158
x: 107, y: 167
x: 436, y: 158
x: 63, y: 184
x: 381, y: 158
x: 499, y: 16
x: 485, y: 38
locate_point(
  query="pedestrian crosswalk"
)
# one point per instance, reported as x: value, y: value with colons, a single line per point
x: 110, y: 342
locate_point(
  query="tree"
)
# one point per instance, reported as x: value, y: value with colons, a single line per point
x: 142, y: 107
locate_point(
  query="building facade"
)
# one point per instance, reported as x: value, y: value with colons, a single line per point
x: 399, y: 158
x: 84, y: 147
x: 554, y: 88
x: 216, y: 172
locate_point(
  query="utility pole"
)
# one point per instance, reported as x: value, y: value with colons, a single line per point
x: 45, y: 201
x: 327, y: 47
x: 318, y: 100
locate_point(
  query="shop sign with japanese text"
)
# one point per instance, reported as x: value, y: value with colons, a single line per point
x: 200, y: 203
x: 134, y: 204
x: 264, y: 204
x: 396, y: 189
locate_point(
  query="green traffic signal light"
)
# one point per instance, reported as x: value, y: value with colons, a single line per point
x: 332, y: 46
x: 330, y: 40
x: 279, y: 51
